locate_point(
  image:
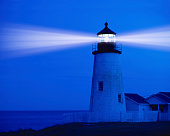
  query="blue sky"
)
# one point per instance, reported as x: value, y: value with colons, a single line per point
x: 61, y: 80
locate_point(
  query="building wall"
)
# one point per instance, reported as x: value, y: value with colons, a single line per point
x: 145, y: 107
x: 133, y: 106
x: 107, y: 68
x: 161, y: 104
x: 164, y: 116
x: 93, y: 117
x: 130, y: 105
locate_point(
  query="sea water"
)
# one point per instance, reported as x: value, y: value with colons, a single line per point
x: 15, y: 120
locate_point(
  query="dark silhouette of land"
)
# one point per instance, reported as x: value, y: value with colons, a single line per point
x: 98, y: 129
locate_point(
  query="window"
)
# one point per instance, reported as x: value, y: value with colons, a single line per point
x: 154, y: 107
x: 120, y: 98
x: 100, y: 85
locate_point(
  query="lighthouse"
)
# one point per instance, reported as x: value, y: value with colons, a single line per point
x: 107, y: 94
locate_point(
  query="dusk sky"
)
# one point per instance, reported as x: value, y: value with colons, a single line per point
x: 61, y: 80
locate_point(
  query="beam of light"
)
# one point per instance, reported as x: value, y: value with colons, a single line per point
x: 157, y: 38
x: 23, y: 40
x: 17, y: 40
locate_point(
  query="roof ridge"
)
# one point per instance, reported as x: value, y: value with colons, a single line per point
x: 136, y: 97
x: 163, y: 93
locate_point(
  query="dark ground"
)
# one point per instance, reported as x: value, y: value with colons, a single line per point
x: 98, y: 129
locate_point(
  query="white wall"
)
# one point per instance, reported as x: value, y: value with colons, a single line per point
x: 92, y: 117
x: 145, y: 107
x: 164, y: 116
x: 149, y: 116
x: 107, y: 68
x: 130, y: 105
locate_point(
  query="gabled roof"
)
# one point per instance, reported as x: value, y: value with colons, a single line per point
x: 135, y: 97
x: 163, y: 96
x: 166, y: 94
x: 106, y: 30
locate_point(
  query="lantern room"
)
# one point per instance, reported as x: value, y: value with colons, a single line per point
x: 106, y: 35
x: 106, y: 42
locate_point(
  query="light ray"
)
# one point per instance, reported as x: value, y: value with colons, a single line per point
x: 17, y: 40
x: 22, y: 40
x: 157, y: 38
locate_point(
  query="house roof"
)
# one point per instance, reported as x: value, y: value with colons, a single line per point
x: 135, y: 97
x: 166, y: 93
x: 106, y: 30
x: 163, y: 96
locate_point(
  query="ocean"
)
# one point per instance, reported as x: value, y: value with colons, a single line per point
x: 15, y: 120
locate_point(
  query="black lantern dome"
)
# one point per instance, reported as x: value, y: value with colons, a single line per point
x: 107, y: 42
x: 106, y: 30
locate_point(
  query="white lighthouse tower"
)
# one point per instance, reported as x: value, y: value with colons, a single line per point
x: 107, y: 95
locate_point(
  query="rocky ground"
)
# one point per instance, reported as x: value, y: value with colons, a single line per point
x: 98, y: 129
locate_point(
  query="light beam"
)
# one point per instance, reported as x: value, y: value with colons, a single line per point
x: 157, y: 38
x: 24, y: 40
x: 17, y: 40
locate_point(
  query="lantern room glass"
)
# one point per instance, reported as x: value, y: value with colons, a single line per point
x: 106, y: 38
